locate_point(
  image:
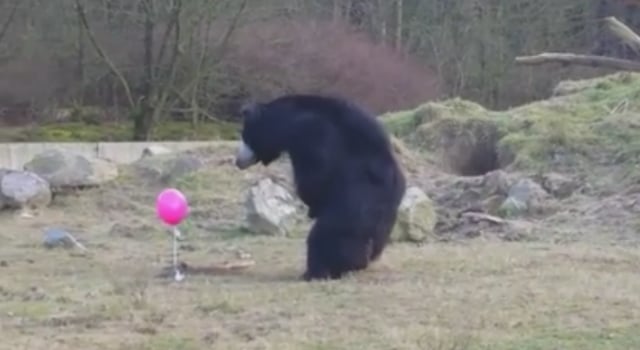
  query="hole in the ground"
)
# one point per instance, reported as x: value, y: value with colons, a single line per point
x: 478, y: 161
x: 472, y: 154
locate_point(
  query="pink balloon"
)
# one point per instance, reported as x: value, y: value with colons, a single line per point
x: 171, y: 206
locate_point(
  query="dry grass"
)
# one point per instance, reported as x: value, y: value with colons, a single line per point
x: 443, y: 296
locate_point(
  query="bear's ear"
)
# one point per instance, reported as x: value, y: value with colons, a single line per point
x: 249, y: 110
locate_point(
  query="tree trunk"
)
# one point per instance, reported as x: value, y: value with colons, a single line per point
x: 399, y: 24
x: 143, y: 118
x: 80, y: 73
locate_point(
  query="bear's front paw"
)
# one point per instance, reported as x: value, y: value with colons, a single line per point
x: 308, y: 276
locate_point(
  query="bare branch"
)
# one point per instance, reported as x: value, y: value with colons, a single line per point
x: 582, y: 60
x: 623, y: 32
x: 83, y: 18
x: 164, y: 94
x: 233, y: 25
x: 175, y: 19
x: 221, y: 50
x: 7, y: 23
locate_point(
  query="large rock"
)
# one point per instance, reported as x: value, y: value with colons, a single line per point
x: 64, y: 169
x: 271, y: 209
x: 416, y: 217
x: 560, y: 186
x: 165, y: 168
x: 23, y: 190
x: 497, y: 182
x: 524, y: 197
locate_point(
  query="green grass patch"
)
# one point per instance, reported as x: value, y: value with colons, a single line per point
x: 114, y: 132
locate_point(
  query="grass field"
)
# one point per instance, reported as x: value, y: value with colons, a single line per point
x: 474, y: 294
x: 480, y: 295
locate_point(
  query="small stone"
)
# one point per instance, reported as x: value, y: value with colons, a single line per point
x: 527, y: 190
x: 497, y: 182
x: 55, y: 237
x: 559, y: 185
x: 154, y: 150
x: 524, y: 197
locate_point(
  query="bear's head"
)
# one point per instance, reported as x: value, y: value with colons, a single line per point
x: 263, y: 134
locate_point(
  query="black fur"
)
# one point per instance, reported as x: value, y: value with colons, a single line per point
x: 344, y: 171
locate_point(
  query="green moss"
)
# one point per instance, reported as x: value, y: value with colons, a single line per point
x: 594, y: 120
x: 404, y: 123
x: 82, y: 131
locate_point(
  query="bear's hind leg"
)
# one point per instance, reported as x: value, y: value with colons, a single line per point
x: 352, y: 254
x: 318, y: 255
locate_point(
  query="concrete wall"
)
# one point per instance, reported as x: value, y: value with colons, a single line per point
x: 15, y: 155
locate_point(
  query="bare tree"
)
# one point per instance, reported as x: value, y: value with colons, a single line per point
x: 4, y: 28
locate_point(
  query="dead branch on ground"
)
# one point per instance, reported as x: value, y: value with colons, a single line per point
x: 582, y: 60
x: 615, y: 27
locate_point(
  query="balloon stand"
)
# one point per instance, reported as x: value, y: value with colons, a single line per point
x: 172, y: 207
x: 178, y: 275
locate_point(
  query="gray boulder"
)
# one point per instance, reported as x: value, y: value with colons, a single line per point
x: 271, y: 209
x: 165, y: 168
x: 524, y: 197
x: 23, y: 190
x: 64, y: 169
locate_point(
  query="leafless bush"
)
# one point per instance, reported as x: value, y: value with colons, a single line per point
x: 327, y: 57
x: 262, y: 59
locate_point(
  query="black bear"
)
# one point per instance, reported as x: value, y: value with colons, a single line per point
x: 344, y: 171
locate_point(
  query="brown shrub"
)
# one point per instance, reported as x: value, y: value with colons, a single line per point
x: 264, y: 59
x: 314, y: 56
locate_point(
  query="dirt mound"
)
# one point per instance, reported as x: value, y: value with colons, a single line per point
x: 575, y: 148
x: 593, y: 122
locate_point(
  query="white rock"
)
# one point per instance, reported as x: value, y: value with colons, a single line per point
x: 23, y: 190
x: 271, y: 209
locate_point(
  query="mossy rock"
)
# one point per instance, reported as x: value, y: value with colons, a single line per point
x: 404, y: 123
x: 416, y: 218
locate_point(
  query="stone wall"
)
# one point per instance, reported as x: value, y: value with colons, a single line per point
x: 15, y: 155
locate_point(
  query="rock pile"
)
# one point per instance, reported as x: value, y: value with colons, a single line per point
x: 48, y: 173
